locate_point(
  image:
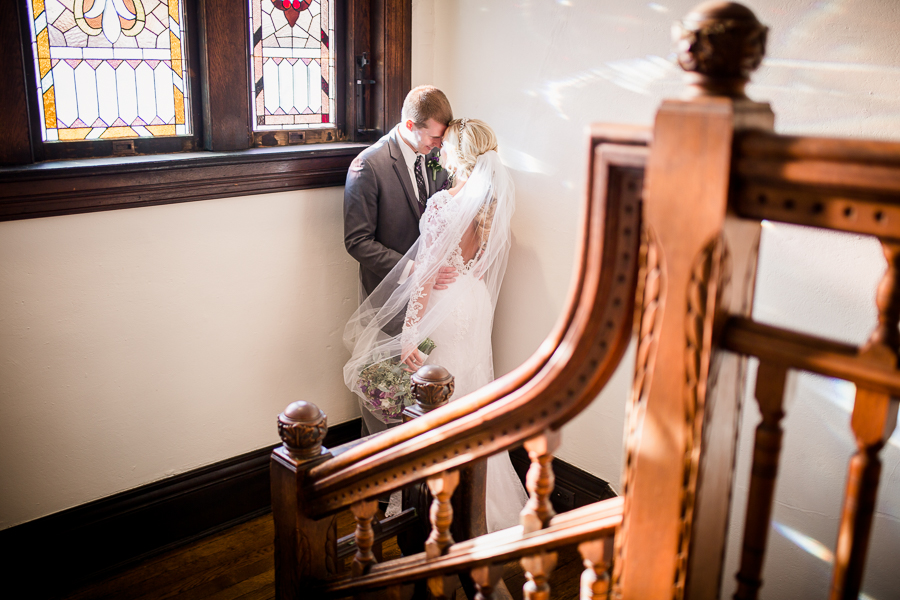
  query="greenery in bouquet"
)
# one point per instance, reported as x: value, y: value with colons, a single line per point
x: 385, y: 385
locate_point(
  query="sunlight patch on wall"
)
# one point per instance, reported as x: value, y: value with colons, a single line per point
x: 639, y: 75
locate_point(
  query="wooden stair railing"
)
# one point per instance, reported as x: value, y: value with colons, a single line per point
x: 674, y: 259
x: 310, y: 484
x: 715, y: 170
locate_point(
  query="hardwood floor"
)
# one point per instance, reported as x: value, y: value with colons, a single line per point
x: 238, y: 564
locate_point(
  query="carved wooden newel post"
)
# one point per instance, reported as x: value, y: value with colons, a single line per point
x: 703, y: 268
x: 305, y: 548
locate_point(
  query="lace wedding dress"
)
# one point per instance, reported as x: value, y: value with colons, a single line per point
x: 470, y: 232
x: 463, y: 347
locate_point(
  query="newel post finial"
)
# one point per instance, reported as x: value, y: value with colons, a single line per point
x: 432, y: 386
x: 718, y: 45
x: 302, y: 428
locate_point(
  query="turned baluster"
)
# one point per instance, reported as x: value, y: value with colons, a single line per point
x: 364, y: 511
x: 537, y: 570
x: 441, y: 487
x: 538, y: 511
x: 770, y: 380
x: 539, y: 481
x: 486, y: 579
x: 873, y: 420
x: 597, y: 556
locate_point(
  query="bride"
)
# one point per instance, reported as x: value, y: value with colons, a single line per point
x: 466, y: 227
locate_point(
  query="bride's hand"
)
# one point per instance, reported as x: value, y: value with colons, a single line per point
x: 414, y: 361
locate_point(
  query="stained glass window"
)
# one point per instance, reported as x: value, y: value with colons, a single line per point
x: 292, y: 63
x: 109, y: 68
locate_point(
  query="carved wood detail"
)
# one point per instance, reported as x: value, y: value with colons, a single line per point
x: 770, y: 381
x: 873, y: 420
x: 571, y: 528
x: 486, y: 578
x: 597, y: 555
x: 302, y: 427
x: 707, y: 289
x: 539, y: 481
x: 538, y: 569
x: 363, y: 511
x: 650, y: 302
x: 719, y: 45
x: 441, y: 487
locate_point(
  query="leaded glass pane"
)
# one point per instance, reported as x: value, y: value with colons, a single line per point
x: 109, y: 68
x: 292, y: 64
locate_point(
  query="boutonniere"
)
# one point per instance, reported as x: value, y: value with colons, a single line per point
x: 434, y: 163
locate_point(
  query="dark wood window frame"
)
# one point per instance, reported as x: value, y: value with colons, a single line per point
x: 228, y: 164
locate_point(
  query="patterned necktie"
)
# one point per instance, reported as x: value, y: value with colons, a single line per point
x: 420, y: 179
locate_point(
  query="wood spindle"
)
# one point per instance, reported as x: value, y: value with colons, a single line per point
x: 363, y: 511
x: 486, y: 578
x: 539, y: 481
x: 538, y: 569
x: 441, y: 487
x: 770, y: 382
x: 597, y: 556
x: 886, y: 334
x: 873, y: 421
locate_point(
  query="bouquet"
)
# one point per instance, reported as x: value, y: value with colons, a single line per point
x: 385, y: 385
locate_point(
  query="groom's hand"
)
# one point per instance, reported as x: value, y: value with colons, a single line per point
x: 445, y: 276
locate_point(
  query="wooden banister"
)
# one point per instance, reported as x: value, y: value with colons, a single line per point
x: 714, y: 169
x: 590, y: 522
x: 565, y: 374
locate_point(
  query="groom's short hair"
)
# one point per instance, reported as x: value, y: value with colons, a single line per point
x: 426, y: 102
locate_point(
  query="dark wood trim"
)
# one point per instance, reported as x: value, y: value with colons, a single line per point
x: 357, y: 41
x: 15, y: 140
x: 224, y: 64
x: 58, y: 552
x: 49, y: 189
x: 396, y: 33
x: 573, y: 488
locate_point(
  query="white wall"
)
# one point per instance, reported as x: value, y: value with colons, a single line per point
x: 540, y: 70
x: 138, y: 344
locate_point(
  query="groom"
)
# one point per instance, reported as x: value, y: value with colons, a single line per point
x: 388, y: 186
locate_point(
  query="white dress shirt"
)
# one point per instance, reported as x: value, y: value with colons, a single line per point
x: 409, y: 156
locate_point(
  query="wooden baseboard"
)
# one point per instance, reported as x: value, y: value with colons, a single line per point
x: 58, y: 552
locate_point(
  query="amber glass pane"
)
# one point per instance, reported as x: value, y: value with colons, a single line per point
x: 109, y: 68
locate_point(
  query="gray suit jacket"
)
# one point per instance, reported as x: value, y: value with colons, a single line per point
x: 381, y: 213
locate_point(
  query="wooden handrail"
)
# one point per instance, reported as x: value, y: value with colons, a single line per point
x: 845, y: 185
x: 556, y: 383
x: 808, y: 353
x: 587, y: 523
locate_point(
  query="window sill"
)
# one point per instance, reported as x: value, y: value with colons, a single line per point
x: 79, y: 186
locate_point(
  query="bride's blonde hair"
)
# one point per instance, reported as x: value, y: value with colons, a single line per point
x: 467, y: 140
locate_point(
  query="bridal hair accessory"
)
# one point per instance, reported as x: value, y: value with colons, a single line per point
x: 462, y: 125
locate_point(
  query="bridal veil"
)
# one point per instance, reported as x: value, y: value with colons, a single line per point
x: 469, y: 231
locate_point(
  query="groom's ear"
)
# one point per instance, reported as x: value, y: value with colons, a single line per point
x: 409, y: 124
